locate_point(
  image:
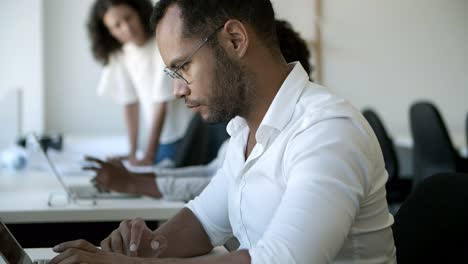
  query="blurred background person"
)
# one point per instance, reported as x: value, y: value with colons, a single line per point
x: 133, y: 77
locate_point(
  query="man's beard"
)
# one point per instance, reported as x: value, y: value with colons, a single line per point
x: 232, y: 88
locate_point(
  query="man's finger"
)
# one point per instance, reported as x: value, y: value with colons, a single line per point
x: 158, y: 244
x: 72, y: 256
x: 116, y: 158
x: 93, y: 159
x: 101, y: 188
x: 77, y: 244
x: 136, y: 233
x: 120, y: 165
x: 116, y: 242
x: 105, y: 244
x: 125, y: 230
x: 91, y: 168
x: 101, y: 179
x: 63, y: 256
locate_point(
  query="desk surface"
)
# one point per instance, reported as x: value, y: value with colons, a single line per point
x: 24, y: 196
x: 47, y: 253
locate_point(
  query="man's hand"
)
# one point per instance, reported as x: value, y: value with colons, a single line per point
x: 133, y: 238
x: 121, y: 158
x: 112, y: 176
x: 146, y: 161
x: 81, y: 251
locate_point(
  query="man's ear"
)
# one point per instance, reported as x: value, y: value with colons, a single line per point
x: 234, y: 38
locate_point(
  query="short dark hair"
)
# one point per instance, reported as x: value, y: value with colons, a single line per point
x: 203, y: 16
x: 103, y: 44
x: 293, y: 47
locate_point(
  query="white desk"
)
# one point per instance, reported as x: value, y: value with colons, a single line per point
x: 47, y: 253
x: 24, y: 196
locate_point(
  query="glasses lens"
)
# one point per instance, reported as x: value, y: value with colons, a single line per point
x: 174, y: 75
x: 170, y: 73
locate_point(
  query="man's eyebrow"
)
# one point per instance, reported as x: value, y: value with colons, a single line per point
x: 176, y: 62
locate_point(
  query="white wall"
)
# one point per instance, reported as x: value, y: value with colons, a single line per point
x: 21, y: 61
x: 381, y: 53
x: 9, y: 118
x: 72, y: 75
x: 387, y: 54
x: 300, y: 13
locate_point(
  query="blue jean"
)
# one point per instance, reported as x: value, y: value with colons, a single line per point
x: 167, y: 151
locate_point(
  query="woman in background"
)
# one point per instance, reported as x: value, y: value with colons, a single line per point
x: 133, y: 77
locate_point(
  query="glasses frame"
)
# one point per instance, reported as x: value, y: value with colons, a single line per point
x: 174, y: 74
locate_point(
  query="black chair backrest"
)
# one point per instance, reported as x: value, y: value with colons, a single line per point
x: 431, y: 225
x: 433, y: 151
x: 201, y: 143
x: 386, y: 143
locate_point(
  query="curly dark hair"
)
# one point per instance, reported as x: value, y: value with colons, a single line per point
x: 103, y: 44
x: 203, y: 16
x: 292, y: 46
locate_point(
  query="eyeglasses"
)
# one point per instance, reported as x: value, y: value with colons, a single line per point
x: 174, y: 74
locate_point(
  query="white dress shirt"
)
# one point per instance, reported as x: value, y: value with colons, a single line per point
x: 312, y: 189
x: 135, y: 74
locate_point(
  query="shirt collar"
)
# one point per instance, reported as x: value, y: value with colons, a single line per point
x: 282, y: 107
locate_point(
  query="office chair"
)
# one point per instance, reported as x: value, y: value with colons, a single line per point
x: 201, y: 143
x: 433, y: 150
x: 397, y: 189
x: 431, y: 225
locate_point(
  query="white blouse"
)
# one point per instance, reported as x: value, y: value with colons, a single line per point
x: 135, y: 74
x: 312, y: 189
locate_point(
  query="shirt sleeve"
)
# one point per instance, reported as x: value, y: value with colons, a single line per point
x: 162, y: 89
x: 211, y: 209
x: 325, y: 179
x: 115, y: 82
x: 182, y: 189
x: 184, y: 184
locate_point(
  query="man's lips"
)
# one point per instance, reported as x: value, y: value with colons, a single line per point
x: 192, y: 105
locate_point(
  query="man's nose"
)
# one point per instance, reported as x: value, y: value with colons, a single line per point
x: 180, y: 88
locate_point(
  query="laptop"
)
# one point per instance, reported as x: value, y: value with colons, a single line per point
x: 88, y: 191
x: 11, y: 251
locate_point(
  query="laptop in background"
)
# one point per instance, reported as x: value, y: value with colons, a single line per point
x: 88, y: 191
x: 11, y: 251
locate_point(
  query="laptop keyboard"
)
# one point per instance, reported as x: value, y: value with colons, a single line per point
x: 84, y: 191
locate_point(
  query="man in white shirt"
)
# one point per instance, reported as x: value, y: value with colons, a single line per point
x: 186, y: 183
x: 303, y: 180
